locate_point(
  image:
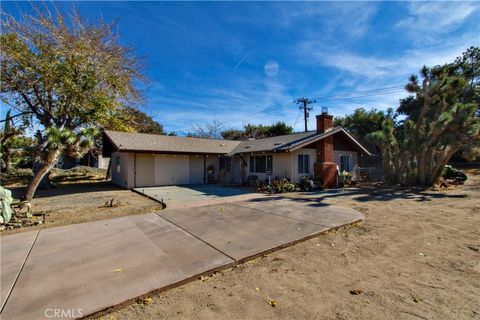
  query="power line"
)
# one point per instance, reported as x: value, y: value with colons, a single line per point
x: 310, y: 123
x: 298, y: 116
x: 363, y: 93
x: 359, y: 96
x: 367, y: 91
x: 338, y: 97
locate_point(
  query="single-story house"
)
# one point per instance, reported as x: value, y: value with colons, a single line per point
x: 143, y: 160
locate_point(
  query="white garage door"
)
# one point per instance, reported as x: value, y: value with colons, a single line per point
x: 144, y: 170
x: 171, y: 170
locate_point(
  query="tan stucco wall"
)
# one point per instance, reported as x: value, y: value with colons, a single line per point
x: 196, y: 169
x: 181, y: 169
x: 125, y: 177
x: 313, y: 158
x: 284, y: 165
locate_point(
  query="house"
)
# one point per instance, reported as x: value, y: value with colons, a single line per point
x: 143, y: 160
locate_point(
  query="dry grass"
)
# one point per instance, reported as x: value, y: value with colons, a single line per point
x: 70, y: 203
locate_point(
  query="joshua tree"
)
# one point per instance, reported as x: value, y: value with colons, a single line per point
x: 417, y: 150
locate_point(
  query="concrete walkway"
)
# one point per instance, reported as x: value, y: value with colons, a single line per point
x: 81, y: 269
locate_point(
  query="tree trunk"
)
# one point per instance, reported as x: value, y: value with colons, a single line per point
x: 441, y: 161
x: 40, y: 173
x: 7, y: 159
x: 421, y: 167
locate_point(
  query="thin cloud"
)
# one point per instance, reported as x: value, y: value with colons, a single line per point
x: 427, y: 20
x: 241, y: 60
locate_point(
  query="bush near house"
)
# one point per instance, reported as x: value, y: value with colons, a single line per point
x: 450, y: 173
x: 277, y: 186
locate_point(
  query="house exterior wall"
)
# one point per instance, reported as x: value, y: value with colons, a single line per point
x: 284, y: 165
x: 184, y: 169
x: 196, y: 170
x: 123, y: 178
x: 313, y: 158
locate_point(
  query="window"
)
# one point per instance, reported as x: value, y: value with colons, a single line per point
x: 117, y: 164
x: 345, y: 162
x: 261, y: 164
x: 226, y: 164
x: 303, y: 163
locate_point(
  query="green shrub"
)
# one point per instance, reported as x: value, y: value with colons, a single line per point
x: 15, y: 175
x: 451, y: 173
x: 306, y: 183
x: 277, y: 186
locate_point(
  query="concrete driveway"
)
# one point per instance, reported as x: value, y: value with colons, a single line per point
x: 85, y: 268
x: 194, y: 195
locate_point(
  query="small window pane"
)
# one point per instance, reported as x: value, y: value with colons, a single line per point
x: 252, y: 164
x: 300, y: 163
x: 306, y: 167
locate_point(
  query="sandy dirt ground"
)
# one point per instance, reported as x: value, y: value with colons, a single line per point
x: 415, y: 257
x: 84, y: 202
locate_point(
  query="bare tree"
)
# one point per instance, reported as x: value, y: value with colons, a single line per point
x: 211, y: 130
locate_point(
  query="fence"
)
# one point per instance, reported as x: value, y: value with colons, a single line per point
x: 368, y: 174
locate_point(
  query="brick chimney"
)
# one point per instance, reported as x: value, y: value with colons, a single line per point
x: 324, y: 122
x: 324, y: 168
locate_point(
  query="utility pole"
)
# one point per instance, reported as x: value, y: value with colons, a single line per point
x: 304, y: 102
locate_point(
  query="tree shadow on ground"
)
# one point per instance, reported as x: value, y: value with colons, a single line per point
x: 362, y: 194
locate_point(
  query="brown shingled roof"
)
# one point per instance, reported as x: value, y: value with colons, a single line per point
x: 125, y: 141
x: 280, y: 143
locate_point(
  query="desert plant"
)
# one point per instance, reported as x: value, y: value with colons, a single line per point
x: 445, y: 121
x: 306, y: 183
x: 345, y: 177
x: 450, y: 172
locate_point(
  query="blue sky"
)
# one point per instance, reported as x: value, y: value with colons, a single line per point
x: 245, y: 62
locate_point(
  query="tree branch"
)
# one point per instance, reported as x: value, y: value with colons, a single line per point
x: 17, y: 115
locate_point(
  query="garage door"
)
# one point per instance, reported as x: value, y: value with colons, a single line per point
x: 171, y: 170
x: 144, y: 170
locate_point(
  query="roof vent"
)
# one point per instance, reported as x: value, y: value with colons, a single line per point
x: 247, y: 147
